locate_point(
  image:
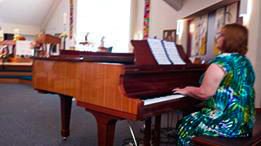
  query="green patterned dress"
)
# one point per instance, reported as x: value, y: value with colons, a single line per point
x: 230, y: 112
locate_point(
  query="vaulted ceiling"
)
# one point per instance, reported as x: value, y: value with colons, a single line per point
x: 176, y: 4
x: 26, y: 12
x: 36, y: 12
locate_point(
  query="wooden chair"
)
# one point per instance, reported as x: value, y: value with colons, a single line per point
x: 254, y: 140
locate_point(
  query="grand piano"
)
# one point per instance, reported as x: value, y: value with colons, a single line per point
x: 116, y: 86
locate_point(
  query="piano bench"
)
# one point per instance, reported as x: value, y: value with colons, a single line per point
x: 254, y: 140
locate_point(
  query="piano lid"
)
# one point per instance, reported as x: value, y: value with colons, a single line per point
x: 77, y: 56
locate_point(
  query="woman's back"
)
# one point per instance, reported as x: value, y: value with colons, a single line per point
x: 235, y: 95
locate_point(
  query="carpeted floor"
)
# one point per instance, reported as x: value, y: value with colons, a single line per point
x: 28, y: 118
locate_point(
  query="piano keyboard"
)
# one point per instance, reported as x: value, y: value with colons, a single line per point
x: 162, y: 98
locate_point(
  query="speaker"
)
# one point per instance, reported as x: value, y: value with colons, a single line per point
x: 8, y: 36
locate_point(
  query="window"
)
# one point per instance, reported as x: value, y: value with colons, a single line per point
x: 103, y: 18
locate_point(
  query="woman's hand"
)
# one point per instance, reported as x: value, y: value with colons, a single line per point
x: 213, y: 76
x: 180, y: 91
x: 191, y: 91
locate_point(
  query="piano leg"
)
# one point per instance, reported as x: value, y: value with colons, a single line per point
x: 147, y: 132
x: 157, y: 130
x: 66, y: 106
x: 105, y: 127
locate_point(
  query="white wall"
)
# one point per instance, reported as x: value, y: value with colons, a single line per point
x: 258, y: 63
x: 137, y: 20
x: 253, y: 22
x: 55, y: 22
x: 164, y: 16
x: 24, y: 29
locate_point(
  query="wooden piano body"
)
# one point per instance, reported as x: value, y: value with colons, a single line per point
x: 112, y: 87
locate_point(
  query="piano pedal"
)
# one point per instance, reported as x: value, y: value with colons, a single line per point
x: 142, y: 129
x: 167, y: 135
x: 172, y: 133
x: 64, y: 138
x: 133, y: 141
x: 130, y: 142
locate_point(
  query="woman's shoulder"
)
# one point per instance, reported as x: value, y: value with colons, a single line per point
x: 230, y: 57
x: 222, y: 58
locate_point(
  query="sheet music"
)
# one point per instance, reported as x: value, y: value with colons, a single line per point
x: 173, y: 53
x: 158, y: 51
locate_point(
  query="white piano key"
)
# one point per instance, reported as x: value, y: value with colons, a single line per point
x: 162, y: 99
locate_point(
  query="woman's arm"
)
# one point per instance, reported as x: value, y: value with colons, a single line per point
x: 213, y: 76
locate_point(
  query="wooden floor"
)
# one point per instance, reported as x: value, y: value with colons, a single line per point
x: 14, y: 81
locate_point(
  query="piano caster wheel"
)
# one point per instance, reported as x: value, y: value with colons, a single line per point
x: 64, y: 138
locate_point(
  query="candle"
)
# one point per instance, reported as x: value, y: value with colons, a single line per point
x: 64, y: 18
x: 64, y: 21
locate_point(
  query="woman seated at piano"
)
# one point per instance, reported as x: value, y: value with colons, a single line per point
x: 228, y: 91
